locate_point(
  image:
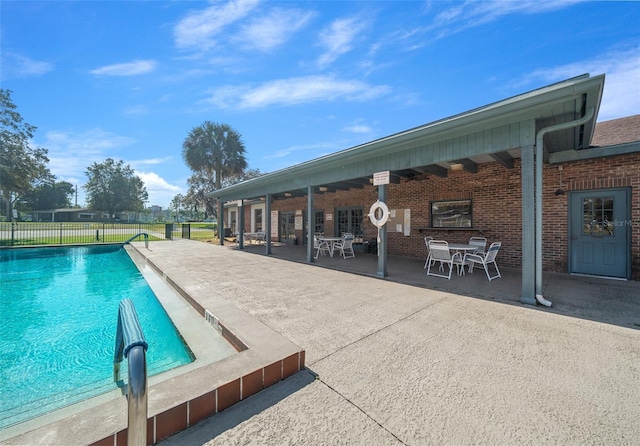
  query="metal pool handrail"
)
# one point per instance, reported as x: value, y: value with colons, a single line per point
x: 146, y: 239
x: 130, y: 343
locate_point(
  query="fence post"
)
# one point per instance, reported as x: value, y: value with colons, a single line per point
x: 61, y: 233
x: 13, y: 233
x: 168, y: 229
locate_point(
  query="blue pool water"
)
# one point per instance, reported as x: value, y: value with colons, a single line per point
x: 59, y: 309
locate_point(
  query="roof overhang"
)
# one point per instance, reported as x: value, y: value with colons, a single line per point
x: 495, y: 132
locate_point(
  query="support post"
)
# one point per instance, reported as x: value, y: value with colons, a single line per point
x: 221, y: 221
x: 382, y: 243
x: 528, y: 226
x: 267, y: 211
x: 241, y: 225
x: 310, y: 225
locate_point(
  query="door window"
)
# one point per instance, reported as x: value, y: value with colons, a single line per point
x: 350, y: 220
x: 597, y: 216
x: 257, y: 218
x: 319, y: 222
x: 287, y: 226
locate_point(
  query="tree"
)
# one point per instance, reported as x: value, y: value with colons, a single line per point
x: 200, y: 185
x: 216, y: 150
x: 242, y: 176
x: 177, y: 206
x: 114, y: 187
x: 21, y: 166
x: 49, y: 195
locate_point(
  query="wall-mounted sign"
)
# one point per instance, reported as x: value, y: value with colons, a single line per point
x: 298, y: 223
x: 274, y: 224
x: 380, y: 178
x: 328, y: 217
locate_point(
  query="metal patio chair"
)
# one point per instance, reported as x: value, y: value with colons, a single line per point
x: 427, y: 239
x: 345, y: 246
x: 481, y: 244
x: 321, y: 246
x: 440, y: 253
x: 435, y: 242
x: 485, y: 260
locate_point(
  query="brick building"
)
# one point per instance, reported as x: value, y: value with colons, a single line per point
x: 476, y: 173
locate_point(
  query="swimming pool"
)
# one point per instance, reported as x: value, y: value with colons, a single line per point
x: 59, y: 313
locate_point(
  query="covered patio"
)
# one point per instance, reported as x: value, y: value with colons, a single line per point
x: 598, y: 299
x: 492, y: 158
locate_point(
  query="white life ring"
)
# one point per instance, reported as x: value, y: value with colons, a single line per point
x: 379, y: 222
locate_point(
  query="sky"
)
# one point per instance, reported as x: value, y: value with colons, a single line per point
x: 298, y: 80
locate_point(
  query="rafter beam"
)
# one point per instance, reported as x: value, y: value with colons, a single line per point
x: 503, y: 158
x: 434, y: 169
x: 468, y: 165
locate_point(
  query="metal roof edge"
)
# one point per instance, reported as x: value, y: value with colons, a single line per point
x: 567, y: 156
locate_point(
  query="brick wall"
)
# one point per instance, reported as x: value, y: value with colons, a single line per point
x: 496, y: 194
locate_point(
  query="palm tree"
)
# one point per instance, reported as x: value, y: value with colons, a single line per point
x: 215, y: 149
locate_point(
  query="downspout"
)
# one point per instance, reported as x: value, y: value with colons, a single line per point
x: 539, y: 141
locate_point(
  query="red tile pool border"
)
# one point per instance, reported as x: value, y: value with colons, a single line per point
x: 186, y: 414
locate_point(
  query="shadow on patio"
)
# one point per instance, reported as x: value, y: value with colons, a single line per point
x: 609, y: 301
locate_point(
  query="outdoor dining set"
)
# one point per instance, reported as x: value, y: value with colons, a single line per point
x: 329, y: 245
x: 461, y: 255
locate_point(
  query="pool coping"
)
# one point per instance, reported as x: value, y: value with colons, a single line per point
x: 265, y: 357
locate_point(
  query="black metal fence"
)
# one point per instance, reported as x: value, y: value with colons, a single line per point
x: 26, y: 233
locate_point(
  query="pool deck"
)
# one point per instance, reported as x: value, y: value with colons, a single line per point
x: 409, y: 359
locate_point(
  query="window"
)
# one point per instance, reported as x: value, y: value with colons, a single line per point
x: 233, y: 215
x: 257, y: 218
x: 597, y: 215
x: 287, y: 227
x: 451, y: 214
x: 319, y: 222
x: 82, y: 216
x: 350, y: 220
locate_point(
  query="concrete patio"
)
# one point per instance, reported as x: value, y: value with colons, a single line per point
x: 603, y: 300
x: 416, y: 360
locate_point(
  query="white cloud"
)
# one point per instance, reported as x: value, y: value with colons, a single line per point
x: 134, y: 68
x: 319, y: 149
x: 474, y: 13
x: 198, y: 29
x: 471, y: 13
x: 149, y: 161
x: 265, y: 33
x: 357, y: 128
x: 70, y: 153
x: 136, y: 110
x: 17, y: 66
x: 160, y: 191
x: 297, y: 90
x: 338, y: 38
x: 621, y: 95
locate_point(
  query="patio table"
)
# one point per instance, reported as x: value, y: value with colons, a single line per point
x: 463, y: 248
x: 255, y: 236
x: 329, y: 241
